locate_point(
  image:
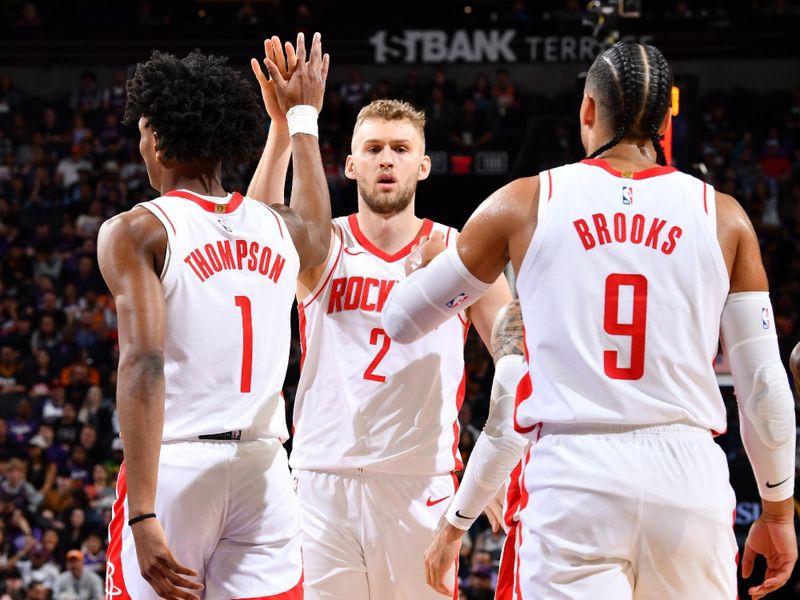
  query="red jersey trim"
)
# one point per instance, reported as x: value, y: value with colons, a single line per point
x: 166, y: 216
x: 277, y: 219
x: 705, y: 199
x: 352, y: 220
x: 647, y: 173
x: 549, y: 185
x: 330, y: 273
x: 212, y: 207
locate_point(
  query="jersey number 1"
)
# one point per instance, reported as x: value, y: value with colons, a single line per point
x: 243, y: 302
x: 635, y: 329
x: 370, y: 374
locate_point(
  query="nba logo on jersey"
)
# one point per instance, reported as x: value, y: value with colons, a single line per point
x: 627, y: 195
x: 765, y: 317
x: 457, y: 300
x: 225, y: 226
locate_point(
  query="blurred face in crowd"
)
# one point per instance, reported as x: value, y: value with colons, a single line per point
x: 38, y: 591
x: 88, y: 437
x: 6, y: 356
x: 14, y: 473
x: 388, y: 159
x: 77, y: 518
x: 50, y: 540
x: 93, y: 544
x: 100, y: 475
x: 24, y: 410
x: 75, y: 566
x: 69, y: 415
x: 48, y: 325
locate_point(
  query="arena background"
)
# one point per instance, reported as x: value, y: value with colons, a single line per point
x: 500, y: 82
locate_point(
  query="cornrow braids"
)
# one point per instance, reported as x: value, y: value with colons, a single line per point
x: 660, y: 102
x: 629, y: 91
x: 618, y: 77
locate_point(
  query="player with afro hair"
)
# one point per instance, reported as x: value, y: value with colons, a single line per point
x: 201, y: 108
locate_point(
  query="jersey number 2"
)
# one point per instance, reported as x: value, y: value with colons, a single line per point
x: 243, y: 302
x: 370, y: 374
x: 635, y: 329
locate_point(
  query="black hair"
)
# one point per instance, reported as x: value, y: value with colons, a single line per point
x: 198, y: 106
x: 617, y: 78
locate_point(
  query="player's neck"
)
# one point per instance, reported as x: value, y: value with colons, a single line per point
x: 390, y: 233
x: 197, y: 179
x: 630, y: 155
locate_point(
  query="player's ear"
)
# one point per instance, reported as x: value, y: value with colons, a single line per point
x: 349, y: 167
x: 424, y: 168
x: 588, y: 112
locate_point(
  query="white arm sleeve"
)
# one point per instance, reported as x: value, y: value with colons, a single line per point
x: 498, y: 449
x: 766, y: 404
x: 429, y: 297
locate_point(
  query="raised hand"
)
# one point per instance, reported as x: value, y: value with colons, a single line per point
x: 306, y: 85
x: 286, y: 64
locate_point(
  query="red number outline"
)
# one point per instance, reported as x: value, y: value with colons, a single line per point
x: 243, y: 302
x: 370, y: 374
x: 636, y: 329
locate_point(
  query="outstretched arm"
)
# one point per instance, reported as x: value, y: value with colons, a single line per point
x: 300, y: 97
x: 127, y: 247
x: 766, y: 404
x: 497, y: 451
x: 498, y: 231
x: 269, y: 179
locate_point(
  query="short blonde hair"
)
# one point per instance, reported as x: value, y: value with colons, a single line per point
x: 392, y: 110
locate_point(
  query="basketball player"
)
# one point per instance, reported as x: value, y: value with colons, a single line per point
x: 203, y: 282
x: 375, y: 424
x: 626, y: 270
x: 496, y: 451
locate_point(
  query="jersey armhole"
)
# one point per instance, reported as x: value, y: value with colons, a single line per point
x: 168, y: 226
x: 330, y: 267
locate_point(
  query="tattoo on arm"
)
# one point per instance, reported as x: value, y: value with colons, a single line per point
x: 507, y: 332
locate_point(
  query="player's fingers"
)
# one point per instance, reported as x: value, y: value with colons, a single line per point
x: 316, y: 49
x: 275, y: 73
x: 182, y: 582
x: 326, y: 64
x: 291, y: 57
x: 747, y: 562
x: 301, y: 50
x: 260, y: 77
x: 269, y: 52
x: 277, y: 51
x: 173, y: 566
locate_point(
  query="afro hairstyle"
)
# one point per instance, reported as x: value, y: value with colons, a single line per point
x: 200, y: 107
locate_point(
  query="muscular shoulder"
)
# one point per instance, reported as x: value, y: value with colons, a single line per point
x: 136, y: 231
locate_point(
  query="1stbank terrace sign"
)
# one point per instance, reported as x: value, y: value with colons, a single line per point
x: 483, y: 46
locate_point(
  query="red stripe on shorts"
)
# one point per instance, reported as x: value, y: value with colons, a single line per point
x: 505, y: 576
x: 115, y: 581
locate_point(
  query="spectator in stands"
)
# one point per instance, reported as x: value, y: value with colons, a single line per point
x: 471, y: 129
x: 86, y: 97
x: 354, y: 91
x: 83, y: 583
x: 38, y: 566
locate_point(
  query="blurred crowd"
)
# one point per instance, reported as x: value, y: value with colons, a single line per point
x: 67, y: 164
x: 312, y: 13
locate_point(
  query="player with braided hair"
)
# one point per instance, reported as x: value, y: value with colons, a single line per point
x: 627, y: 273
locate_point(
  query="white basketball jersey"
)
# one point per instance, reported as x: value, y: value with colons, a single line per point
x: 229, y: 280
x: 362, y: 400
x: 622, y: 288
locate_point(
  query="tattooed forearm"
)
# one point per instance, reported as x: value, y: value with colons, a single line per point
x: 507, y: 332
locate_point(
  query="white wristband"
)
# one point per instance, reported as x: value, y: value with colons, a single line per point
x: 303, y: 119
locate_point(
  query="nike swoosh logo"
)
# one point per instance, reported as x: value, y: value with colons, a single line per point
x: 430, y: 502
x: 774, y: 485
x: 460, y: 516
